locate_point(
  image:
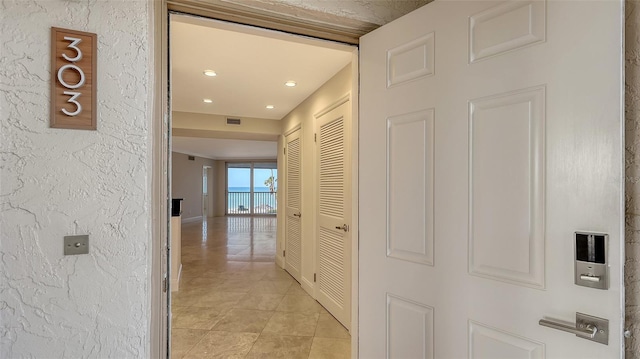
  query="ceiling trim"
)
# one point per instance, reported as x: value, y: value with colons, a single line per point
x: 283, y: 18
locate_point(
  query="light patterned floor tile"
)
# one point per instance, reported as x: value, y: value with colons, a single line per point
x: 182, y: 340
x: 329, y: 327
x: 260, y: 301
x: 297, y: 324
x: 254, y: 309
x: 328, y: 348
x: 280, y: 346
x: 299, y: 303
x: 223, y: 345
x: 244, y: 320
x: 196, y: 318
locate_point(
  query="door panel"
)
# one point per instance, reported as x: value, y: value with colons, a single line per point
x: 333, y: 251
x: 409, y: 328
x: 293, y: 204
x: 485, y: 342
x: 410, y: 186
x: 506, y: 199
x: 502, y: 123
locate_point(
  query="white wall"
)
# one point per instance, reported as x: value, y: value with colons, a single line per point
x: 327, y: 94
x: 56, y: 182
x: 186, y: 183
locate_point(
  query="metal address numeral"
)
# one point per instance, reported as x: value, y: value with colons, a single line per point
x: 74, y: 94
x: 74, y: 41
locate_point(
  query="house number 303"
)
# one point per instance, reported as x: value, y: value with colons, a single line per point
x: 73, y: 79
x: 72, y: 67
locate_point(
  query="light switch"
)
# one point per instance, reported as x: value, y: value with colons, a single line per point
x: 76, y: 245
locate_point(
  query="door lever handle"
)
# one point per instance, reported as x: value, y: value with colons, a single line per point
x: 589, y: 331
x: 586, y: 327
x: 344, y: 227
x: 590, y: 278
x: 298, y: 215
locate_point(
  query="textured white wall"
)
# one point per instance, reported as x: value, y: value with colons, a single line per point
x: 56, y: 182
x: 632, y: 113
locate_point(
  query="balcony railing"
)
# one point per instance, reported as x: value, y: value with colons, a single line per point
x: 241, y: 203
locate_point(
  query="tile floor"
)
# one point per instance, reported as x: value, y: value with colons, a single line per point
x: 235, y: 302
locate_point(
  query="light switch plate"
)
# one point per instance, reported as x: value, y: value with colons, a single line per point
x: 76, y: 245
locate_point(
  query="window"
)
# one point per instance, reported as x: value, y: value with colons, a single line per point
x: 252, y: 187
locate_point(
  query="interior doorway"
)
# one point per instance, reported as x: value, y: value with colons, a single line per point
x: 206, y: 198
x: 196, y: 129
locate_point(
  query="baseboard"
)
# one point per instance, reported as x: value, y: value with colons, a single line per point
x: 191, y: 219
x: 307, y: 286
x: 175, y: 282
x: 280, y: 261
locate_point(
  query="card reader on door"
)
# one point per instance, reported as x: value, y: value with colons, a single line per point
x: 591, y: 268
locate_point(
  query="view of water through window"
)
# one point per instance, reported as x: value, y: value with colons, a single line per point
x: 252, y: 188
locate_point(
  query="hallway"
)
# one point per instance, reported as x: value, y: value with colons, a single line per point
x: 235, y: 302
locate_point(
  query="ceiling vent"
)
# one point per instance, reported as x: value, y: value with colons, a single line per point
x: 233, y: 121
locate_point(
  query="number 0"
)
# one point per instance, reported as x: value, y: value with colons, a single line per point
x: 73, y: 67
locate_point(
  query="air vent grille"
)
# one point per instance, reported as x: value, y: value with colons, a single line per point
x: 233, y: 121
x: 192, y: 158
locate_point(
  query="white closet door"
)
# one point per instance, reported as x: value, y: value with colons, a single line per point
x: 333, y: 245
x: 293, y: 203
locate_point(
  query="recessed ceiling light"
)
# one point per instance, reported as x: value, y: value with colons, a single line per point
x: 210, y: 73
x: 290, y: 83
x: 207, y: 100
x: 270, y: 107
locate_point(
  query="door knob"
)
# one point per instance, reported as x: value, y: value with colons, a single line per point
x: 344, y: 228
x: 299, y: 215
x: 586, y: 327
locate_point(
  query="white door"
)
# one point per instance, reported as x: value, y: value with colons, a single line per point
x: 490, y: 131
x: 293, y: 203
x: 333, y: 246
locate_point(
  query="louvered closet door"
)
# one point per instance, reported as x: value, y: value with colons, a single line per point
x: 293, y: 199
x: 333, y: 246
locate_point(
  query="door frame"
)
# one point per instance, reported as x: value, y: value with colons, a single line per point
x: 206, y: 203
x: 161, y: 143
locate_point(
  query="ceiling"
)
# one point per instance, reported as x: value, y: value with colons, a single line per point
x: 252, y: 66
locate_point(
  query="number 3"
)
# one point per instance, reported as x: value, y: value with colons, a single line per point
x: 74, y: 41
x: 74, y: 95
